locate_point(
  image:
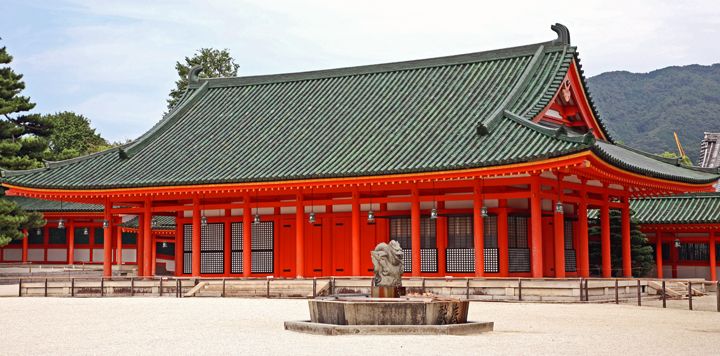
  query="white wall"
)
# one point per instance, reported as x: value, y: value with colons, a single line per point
x: 12, y: 254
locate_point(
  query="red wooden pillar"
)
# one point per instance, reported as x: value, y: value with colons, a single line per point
x: 148, y: 241
x: 196, y: 233
x: 502, y: 234
x: 299, y: 236
x: 605, y: 235
x: 118, y: 243
x: 139, y: 247
x: 25, y: 243
x: 559, y: 233
x: 355, y: 233
x: 583, y: 241
x: 179, y: 245
x: 625, y: 222
x: 247, y: 235
x: 713, y: 260
x: 658, y: 254
x: 46, y: 242
x: 71, y: 242
x: 442, y: 240
x: 415, y: 231
x: 536, y: 228
x: 478, y: 230
x: 107, y: 240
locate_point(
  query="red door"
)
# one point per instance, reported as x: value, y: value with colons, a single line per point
x: 548, y: 246
x: 314, y: 248
x: 286, y: 251
x: 341, y: 247
x: 370, y: 236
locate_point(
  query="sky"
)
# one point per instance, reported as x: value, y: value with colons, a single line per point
x: 113, y: 61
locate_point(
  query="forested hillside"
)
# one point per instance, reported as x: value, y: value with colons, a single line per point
x: 643, y: 109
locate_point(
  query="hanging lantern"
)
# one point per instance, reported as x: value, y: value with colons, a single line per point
x: 312, y: 218
x: 203, y: 220
x: 61, y: 224
x: 484, y: 211
x: 164, y: 245
x: 106, y: 224
x: 677, y: 243
x: 38, y: 231
x: 371, y: 217
x: 86, y: 231
x: 433, y: 213
x: 559, y: 207
x: 256, y: 219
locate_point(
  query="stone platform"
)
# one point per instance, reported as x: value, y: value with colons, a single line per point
x: 356, y: 310
x: 468, y: 328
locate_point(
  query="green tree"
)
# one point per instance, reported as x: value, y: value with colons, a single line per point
x: 22, y: 144
x: 643, y: 260
x: 216, y: 64
x: 72, y: 136
x: 685, y: 160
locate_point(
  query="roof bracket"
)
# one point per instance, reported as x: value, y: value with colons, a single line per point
x: 562, y: 32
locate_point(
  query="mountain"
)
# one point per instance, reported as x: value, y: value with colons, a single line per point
x: 643, y: 109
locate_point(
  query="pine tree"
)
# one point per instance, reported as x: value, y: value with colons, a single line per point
x: 643, y: 260
x: 22, y: 145
x: 216, y: 64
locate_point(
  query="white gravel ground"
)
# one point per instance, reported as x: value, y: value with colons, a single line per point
x: 156, y: 326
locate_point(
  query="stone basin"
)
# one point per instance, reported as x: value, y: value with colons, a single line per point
x: 348, y: 310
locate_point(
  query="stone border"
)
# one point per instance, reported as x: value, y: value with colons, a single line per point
x: 469, y: 328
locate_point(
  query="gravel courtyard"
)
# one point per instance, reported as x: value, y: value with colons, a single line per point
x: 255, y: 326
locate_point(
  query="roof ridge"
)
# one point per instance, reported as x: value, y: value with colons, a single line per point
x: 560, y: 133
x: 457, y: 59
x: 675, y: 161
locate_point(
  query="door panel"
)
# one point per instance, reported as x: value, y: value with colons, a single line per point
x: 341, y: 247
x: 548, y: 245
x: 314, y: 248
x: 287, y: 248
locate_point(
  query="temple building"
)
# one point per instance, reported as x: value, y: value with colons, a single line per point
x: 480, y: 164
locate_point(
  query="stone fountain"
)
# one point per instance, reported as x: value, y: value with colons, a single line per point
x: 387, y: 310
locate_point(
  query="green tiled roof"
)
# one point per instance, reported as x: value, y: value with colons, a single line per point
x: 162, y: 222
x: 681, y: 209
x: 41, y: 205
x: 436, y: 114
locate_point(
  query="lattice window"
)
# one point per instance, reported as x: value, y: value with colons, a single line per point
x: 212, y: 251
x: 428, y: 260
x: 262, y: 250
x: 492, y: 260
x: 570, y: 261
x: 36, y: 236
x: 99, y: 236
x: 517, y: 231
x: 187, y: 248
x: 569, y: 232
x: 460, y: 260
x: 519, y: 260
x: 460, y: 232
x: 407, y: 260
x: 57, y: 236
x: 693, y: 252
x: 236, y: 245
x: 570, y: 253
x: 400, y: 231
x: 490, y: 232
x: 129, y: 238
x: 428, y: 233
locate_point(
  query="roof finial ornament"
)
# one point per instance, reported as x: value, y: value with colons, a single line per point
x: 562, y: 32
x: 194, y: 74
